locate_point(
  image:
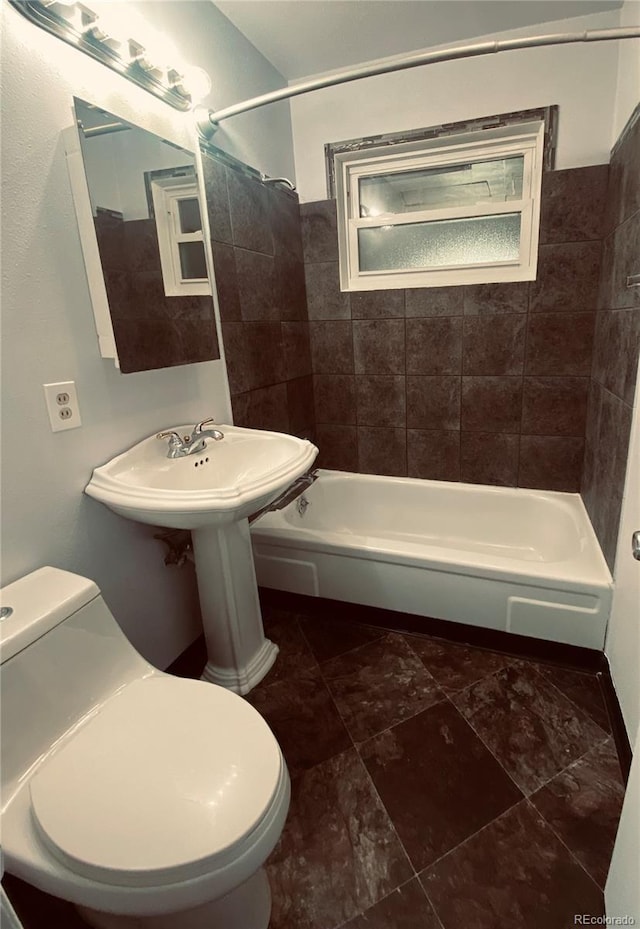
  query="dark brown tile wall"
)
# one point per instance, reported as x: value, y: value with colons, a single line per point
x: 258, y: 263
x: 486, y: 383
x: 151, y: 330
x: 616, y: 346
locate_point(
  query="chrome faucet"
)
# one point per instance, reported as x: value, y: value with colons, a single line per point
x: 181, y: 446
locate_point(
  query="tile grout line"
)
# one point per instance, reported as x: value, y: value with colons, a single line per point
x: 368, y: 775
x: 337, y: 755
x: 477, y: 734
x: 575, y: 705
x: 508, y: 661
x: 375, y: 789
x: 400, y: 721
x: 386, y: 897
x: 527, y: 797
x: 376, y: 793
x: 432, y: 905
x: 455, y: 848
x: 564, y: 844
x: 547, y: 782
x: 450, y: 642
x: 522, y: 383
x: 566, y: 767
x: 562, y: 770
x: 349, y: 651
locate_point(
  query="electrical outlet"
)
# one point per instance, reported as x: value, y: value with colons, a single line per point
x: 62, y: 405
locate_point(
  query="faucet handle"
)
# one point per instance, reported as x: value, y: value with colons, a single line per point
x: 173, y: 437
x: 197, y: 429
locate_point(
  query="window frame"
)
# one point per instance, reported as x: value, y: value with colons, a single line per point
x: 526, y: 139
x: 165, y: 193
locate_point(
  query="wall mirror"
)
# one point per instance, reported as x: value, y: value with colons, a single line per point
x: 139, y: 216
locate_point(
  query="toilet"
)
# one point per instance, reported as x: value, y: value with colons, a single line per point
x: 145, y: 799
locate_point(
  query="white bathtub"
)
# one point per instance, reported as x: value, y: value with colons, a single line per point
x: 522, y: 561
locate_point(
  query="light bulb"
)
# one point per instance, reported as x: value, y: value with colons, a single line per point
x: 160, y: 49
x: 196, y: 82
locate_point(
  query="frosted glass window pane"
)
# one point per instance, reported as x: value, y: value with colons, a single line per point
x: 449, y: 242
x: 192, y: 261
x: 189, y: 211
x: 493, y: 181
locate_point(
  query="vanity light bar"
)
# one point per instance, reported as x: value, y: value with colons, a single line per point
x: 79, y: 26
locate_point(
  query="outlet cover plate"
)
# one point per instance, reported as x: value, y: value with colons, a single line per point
x: 62, y: 405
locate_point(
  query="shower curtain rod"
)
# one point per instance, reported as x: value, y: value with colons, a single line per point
x: 208, y: 121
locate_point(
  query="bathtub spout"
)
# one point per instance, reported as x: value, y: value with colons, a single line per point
x: 294, y: 490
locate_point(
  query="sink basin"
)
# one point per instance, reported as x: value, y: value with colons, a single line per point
x: 225, y: 483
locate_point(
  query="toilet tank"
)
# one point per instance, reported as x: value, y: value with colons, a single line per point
x: 62, y: 655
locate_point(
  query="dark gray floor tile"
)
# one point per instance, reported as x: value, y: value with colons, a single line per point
x: 39, y: 910
x: 582, y: 689
x: 338, y: 854
x: 583, y: 805
x: 379, y: 685
x: 437, y: 780
x: 531, y: 728
x: 405, y: 908
x: 303, y: 718
x: 329, y: 637
x: 456, y: 666
x: 282, y: 627
x: 515, y: 874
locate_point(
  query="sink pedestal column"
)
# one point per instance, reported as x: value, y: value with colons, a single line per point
x: 239, y: 656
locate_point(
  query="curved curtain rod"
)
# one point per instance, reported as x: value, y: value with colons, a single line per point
x: 208, y: 121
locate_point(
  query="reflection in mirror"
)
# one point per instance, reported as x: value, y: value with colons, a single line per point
x: 147, y: 221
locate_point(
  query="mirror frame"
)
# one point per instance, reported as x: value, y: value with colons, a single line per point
x: 89, y: 244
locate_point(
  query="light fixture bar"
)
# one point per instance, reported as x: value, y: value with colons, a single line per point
x: 93, y: 41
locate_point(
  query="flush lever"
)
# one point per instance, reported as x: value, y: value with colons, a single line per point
x: 635, y: 544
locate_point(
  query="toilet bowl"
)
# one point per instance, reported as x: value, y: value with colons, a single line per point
x: 142, y: 798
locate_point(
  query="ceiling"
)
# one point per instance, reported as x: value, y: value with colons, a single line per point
x: 303, y: 37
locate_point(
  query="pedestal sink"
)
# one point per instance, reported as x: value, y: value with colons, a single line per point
x: 212, y: 493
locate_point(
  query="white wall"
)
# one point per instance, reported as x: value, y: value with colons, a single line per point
x: 581, y: 79
x: 100, y: 156
x: 115, y: 166
x: 47, y: 325
x: 622, y: 646
x: 628, y: 84
x: 622, y: 890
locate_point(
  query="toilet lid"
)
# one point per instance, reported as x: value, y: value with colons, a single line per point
x: 159, y: 786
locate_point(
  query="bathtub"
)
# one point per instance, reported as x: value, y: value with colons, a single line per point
x: 522, y: 561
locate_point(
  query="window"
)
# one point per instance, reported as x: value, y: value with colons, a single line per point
x: 461, y: 209
x: 180, y: 237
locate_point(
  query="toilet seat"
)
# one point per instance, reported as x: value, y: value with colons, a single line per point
x: 166, y: 782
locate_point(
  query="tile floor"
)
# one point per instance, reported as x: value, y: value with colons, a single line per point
x: 434, y: 786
